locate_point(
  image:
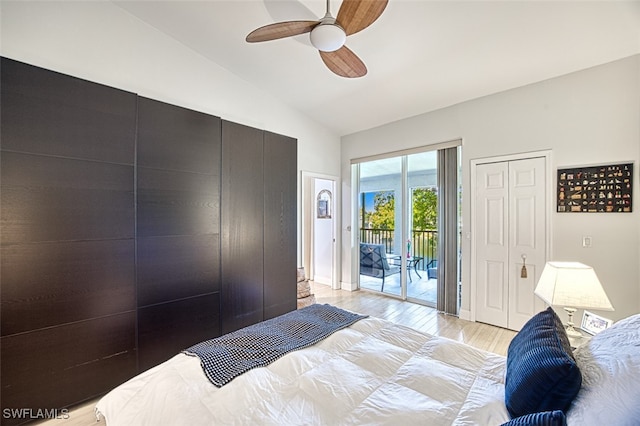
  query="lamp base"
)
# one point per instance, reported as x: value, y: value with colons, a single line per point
x: 571, y: 331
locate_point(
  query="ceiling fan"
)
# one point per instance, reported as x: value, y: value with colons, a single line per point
x: 329, y: 34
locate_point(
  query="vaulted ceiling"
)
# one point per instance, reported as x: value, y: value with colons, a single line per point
x: 421, y: 55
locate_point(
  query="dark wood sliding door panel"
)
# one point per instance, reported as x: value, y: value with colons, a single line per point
x: 58, y: 366
x: 280, y: 201
x: 166, y: 329
x: 45, y: 112
x: 242, y: 219
x: 177, y: 267
x: 55, y: 283
x: 178, y: 229
x: 67, y: 241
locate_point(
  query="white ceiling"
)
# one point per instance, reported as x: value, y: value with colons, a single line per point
x: 421, y: 55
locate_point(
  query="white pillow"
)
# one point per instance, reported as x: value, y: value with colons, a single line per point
x: 610, y: 367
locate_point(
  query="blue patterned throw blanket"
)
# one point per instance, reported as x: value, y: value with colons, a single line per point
x: 226, y: 357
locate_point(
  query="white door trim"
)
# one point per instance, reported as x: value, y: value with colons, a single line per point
x: 308, y: 203
x: 547, y: 155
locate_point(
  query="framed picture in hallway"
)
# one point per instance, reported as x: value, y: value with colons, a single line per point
x: 324, y: 204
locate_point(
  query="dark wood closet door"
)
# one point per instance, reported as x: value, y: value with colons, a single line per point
x: 280, y: 236
x: 178, y: 229
x: 67, y: 268
x: 242, y: 218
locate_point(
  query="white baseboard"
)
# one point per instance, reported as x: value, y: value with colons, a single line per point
x: 348, y: 286
x: 322, y: 280
x: 465, y: 314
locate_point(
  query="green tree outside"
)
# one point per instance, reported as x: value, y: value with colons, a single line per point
x: 425, y: 210
x: 424, y: 217
x: 383, y: 215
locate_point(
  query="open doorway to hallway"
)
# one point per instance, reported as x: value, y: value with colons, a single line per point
x: 320, y: 207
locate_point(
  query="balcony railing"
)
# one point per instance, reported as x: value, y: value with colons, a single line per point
x: 423, y: 243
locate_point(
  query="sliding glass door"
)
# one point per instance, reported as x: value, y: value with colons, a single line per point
x: 422, y: 227
x: 380, y: 198
x: 399, y: 223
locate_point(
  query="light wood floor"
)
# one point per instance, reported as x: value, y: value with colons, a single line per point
x: 419, y: 317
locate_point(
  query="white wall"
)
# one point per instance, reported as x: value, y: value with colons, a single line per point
x: 100, y: 42
x: 585, y: 118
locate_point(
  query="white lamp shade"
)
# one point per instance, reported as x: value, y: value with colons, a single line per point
x: 572, y: 284
x: 327, y: 37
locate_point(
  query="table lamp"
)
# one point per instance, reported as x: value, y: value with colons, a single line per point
x: 572, y: 285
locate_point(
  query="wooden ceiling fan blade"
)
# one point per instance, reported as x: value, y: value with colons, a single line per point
x: 356, y: 15
x: 344, y: 63
x: 280, y: 30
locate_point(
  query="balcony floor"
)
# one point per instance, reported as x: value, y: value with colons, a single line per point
x: 423, y: 289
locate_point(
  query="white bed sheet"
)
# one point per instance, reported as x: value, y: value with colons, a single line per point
x: 373, y: 372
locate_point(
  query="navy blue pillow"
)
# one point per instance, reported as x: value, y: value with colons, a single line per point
x: 546, y: 418
x: 542, y: 374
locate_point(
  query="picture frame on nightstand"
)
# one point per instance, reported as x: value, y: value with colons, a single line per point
x: 594, y: 324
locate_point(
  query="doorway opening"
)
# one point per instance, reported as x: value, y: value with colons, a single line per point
x: 320, y: 208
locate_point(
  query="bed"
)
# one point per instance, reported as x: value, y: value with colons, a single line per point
x: 380, y: 373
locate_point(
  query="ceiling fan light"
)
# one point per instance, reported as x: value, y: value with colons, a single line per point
x: 328, y: 37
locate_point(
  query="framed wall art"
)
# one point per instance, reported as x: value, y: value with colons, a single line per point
x: 596, y: 189
x: 324, y: 205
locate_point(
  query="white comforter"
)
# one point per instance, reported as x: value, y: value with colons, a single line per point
x: 373, y: 372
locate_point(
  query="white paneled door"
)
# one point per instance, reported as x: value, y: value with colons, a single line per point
x: 510, y: 244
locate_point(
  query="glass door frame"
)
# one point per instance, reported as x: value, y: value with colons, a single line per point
x: 398, y: 196
x: 404, y: 214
